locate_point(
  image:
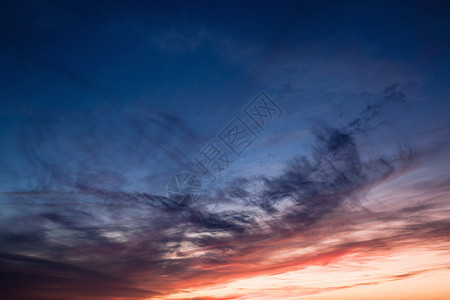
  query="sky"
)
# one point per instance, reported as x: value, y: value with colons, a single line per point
x: 224, y: 150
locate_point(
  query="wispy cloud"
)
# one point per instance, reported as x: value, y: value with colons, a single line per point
x: 283, y: 226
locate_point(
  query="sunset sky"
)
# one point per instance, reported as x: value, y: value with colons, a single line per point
x: 212, y: 150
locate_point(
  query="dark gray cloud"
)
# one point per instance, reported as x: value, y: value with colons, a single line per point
x: 371, y: 116
x: 24, y: 277
x: 147, y: 234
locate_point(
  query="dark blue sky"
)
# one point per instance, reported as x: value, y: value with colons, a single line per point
x: 80, y: 68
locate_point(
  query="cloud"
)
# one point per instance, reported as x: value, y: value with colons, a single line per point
x: 26, y: 277
x: 370, y: 117
x: 70, y: 151
x: 149, y: 237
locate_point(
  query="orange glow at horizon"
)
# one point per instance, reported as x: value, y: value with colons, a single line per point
x: 372, y: 264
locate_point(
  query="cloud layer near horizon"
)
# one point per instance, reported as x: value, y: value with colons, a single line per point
x: 93, y: 243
